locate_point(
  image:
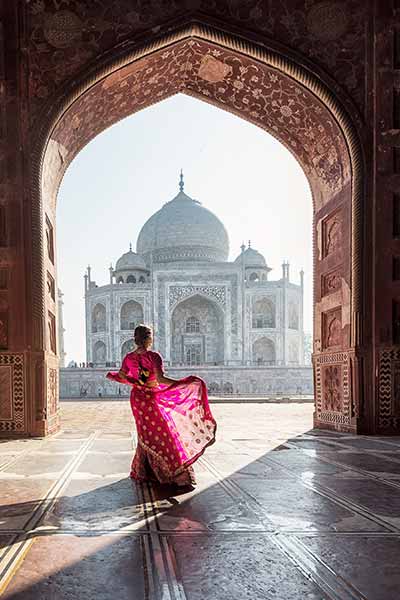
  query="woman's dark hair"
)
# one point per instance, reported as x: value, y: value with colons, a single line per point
x: 142, y: 333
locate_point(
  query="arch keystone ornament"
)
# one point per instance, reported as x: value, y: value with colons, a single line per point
x: 269, y: 87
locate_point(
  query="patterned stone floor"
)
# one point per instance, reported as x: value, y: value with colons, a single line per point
x: 281, y: 512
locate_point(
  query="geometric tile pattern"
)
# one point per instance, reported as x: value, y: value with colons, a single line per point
x: 12, y: 387
x: 388, y: 388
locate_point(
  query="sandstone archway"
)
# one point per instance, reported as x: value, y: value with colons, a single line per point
x: 264, y: 87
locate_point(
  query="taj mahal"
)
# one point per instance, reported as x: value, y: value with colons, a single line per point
x: 228, y: 322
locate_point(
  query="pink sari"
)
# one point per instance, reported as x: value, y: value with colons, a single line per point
x: 174, y: 426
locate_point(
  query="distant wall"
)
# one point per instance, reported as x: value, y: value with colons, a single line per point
x: 269, y: 381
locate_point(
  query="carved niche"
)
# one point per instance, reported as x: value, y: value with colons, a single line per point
x: 51, y: 286
x: 332, y: 234
x: 50, y: 239
x: 331, y: 282
x: 52, y: 332
x: 3, y: 329
x: 3, y: 227
x: 332, y: 395
x: 332, y: 329
x: 396, y: 321
x: 3, y: 279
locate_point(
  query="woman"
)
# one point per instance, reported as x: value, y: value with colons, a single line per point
x: 173, y: 418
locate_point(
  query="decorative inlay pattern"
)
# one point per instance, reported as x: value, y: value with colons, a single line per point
x: 12, y: 396
x: 257, y: 92
x: 389, y: 389
x: 176, y: 293
x: 53, y: 24
x: 62, y: 29
x: 213, y: 70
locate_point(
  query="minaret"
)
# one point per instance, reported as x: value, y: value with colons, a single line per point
x: 284, y: 310
x: 61, y: 329
x: 301, y: 320
x: 87, y: 315
x: 243, y: 284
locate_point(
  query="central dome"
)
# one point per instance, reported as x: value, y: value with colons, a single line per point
x: 183, y: 230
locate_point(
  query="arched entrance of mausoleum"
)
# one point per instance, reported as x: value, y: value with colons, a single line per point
x: 269, y: 90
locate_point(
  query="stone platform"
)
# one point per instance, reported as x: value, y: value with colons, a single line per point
x: 281, y: 512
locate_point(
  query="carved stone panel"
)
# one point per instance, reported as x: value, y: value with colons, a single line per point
x: 332, y: 394
x: 3, y: 278
x: 396, y: 321
x: 332, y: 329
x: 3, y: 330
x: 331, y: 282
x: 179, y: 292
x: 63, y: 29
x: 332, y: 390
x: 332, y: 234
x: 52, y: 391
x: 3, y: 227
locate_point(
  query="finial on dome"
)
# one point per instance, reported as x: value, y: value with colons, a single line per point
x: 249, y: 243
x: 181, y: 182
x: 130, y: 247
x: 243, y: 247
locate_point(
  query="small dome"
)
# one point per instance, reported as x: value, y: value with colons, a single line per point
x: 182, y: 230
x: 130, y: 261
x: 252, y: 258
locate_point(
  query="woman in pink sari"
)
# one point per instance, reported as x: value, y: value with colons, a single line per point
x: 173, y: 418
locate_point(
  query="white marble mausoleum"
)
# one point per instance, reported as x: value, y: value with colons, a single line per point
x: 228, y: 320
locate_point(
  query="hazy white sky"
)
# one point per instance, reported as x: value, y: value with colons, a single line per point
x: 241, y: 173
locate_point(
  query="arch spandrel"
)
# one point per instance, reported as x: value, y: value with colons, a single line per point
x: 243, y: 85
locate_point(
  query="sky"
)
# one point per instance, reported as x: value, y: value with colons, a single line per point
x: 235, y: 169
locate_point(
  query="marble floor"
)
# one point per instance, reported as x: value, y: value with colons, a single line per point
x: 281, y: 512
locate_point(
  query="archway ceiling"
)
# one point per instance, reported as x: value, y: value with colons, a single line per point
x: 235, y: 82
x: 64, y: 35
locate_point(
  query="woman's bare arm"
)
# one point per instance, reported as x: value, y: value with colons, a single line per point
x: 161, y: 378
